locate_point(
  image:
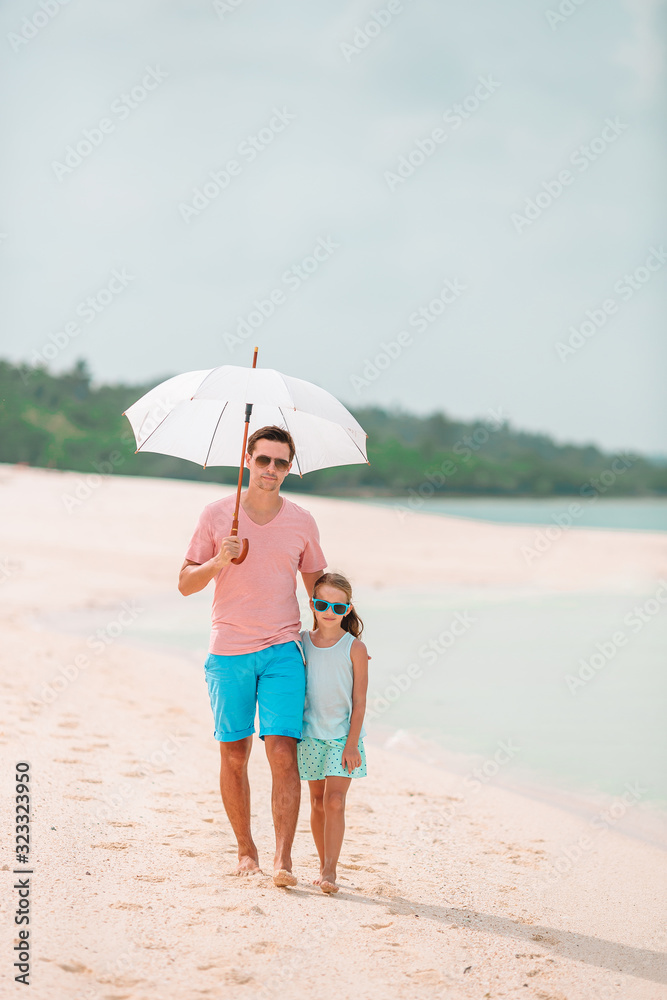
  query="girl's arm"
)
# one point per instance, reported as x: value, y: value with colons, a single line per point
x: 359, y: 657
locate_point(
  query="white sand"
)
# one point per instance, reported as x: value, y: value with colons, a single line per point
x: 446, y: 892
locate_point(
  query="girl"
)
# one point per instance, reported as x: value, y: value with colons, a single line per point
x: 331, y: 751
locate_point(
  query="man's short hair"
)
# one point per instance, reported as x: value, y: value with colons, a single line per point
x: 272, y: 433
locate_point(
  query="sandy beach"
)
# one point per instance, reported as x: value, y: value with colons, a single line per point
x: 446, y: 891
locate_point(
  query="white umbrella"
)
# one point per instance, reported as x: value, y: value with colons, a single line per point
x: 205, y: 417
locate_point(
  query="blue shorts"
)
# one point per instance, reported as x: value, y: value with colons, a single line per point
x: 273, y: 678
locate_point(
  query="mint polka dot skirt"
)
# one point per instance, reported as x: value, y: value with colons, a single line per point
x: 320, y: 758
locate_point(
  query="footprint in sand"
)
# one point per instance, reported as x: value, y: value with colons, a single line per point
x: 65, y: 760
x: 382, y: 889
x: 151, y: 878
x: 121, y: 981
x: 239, y: 976
x: 81, y: 798
x: 115, y: 822
x: 126, y: 906
x: 543, y: 937
x: 68, y: 725
x: 264, y: 947
x: 73, y: 967
x: 112, y: 846
x: 429, y: 977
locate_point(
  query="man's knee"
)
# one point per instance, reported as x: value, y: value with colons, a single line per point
x: 281, y: 751
x: 236, y: 754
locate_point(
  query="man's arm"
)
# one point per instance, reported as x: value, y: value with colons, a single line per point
x: 309, y: 580
x: 193, y: 576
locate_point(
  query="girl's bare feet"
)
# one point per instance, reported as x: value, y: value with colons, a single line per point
x: 328, y: 882
x: 316, y: 881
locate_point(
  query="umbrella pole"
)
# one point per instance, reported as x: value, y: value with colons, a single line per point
x: 235, y: 519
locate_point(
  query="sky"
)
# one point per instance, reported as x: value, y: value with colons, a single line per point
x: 413, y: 203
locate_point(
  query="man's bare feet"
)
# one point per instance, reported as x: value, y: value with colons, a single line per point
x: 282, y: 878
x: 248, y: 865
x: 328, y: 882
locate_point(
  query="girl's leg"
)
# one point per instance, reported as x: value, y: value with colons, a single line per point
x: 317, y: 819
x: 334, y: 829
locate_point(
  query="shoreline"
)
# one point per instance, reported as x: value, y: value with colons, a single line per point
x: 582, y: 801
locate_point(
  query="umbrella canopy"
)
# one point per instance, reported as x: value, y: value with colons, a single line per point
x: 200, y: 416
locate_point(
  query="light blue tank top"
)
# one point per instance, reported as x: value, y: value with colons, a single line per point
x: 329, y: 679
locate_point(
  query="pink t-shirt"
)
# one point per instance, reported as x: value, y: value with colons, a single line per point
x: 255, y: 605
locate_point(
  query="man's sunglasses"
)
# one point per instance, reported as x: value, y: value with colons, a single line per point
x: 263, y: 461
x: 338, y: 609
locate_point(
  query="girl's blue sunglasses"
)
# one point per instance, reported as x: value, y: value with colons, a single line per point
x: 338, y: 609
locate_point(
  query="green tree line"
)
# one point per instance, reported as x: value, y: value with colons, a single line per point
x: 64, y: 421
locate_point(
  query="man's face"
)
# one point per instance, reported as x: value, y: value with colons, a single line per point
x: 268, y: 477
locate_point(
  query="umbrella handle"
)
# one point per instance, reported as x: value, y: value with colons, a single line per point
x: 235, y: 518
x: 244, y: 552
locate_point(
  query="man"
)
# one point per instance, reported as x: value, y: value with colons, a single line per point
x: 254, y: 654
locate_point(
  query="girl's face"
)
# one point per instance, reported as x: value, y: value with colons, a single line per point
x: 325, y: 592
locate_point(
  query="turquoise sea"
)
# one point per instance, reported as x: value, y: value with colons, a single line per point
x: 640, y: 514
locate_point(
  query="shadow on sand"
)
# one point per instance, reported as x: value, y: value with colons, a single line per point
x: 639, y: 962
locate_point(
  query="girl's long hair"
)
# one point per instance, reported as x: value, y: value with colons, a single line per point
x: 351, y: 623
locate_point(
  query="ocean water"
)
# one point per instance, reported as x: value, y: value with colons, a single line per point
x: 638, y: 514
x: 566, y: 690
x: 538, y: 674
